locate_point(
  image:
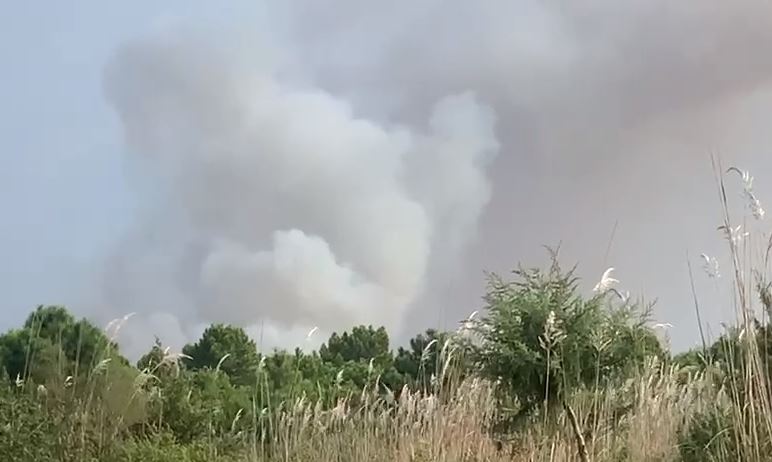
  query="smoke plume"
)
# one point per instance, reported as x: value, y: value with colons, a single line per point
x: 343, y: 178
x: 277, y: 204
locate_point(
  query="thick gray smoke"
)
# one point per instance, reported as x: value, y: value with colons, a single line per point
x: 344, y: 180
x: 608, y: 113
x: 275, y: 204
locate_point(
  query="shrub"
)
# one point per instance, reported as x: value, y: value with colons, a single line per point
x: 539, y: 338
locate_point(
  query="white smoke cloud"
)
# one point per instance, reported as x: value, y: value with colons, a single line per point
x: 251, y: 158
x: 277, y: 204
x: 607, y: 114
x: 298, y: 279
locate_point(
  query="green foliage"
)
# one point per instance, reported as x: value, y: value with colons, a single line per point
x: 200, y: 404
x: 708, y: 437
x: 693, y: 358
x: 52, y: 322
x: 153, y: 358
x: 540, y: 339
x: 362, y: 344
x: 25, y: 428
x: 53, y: 345
x: 422, y: 357
x: 422, y: 361
x: 361, y: 356
x: 228, y: 348
x: 82, y: 343
x: 26, y: 356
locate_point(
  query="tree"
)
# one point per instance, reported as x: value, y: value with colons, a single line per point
x: 420, y: 362
x: 157, y: 363
x: 540, y: 339
x: 82, y: 343
x: 228, y: 348
x: 153, y: 358
x: 52, y: 340
x: 362, y: 344
x: 197, y: 404
x: 27, y: 357
x: 52, y: 322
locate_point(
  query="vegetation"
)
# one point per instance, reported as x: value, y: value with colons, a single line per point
x: 543, y: 372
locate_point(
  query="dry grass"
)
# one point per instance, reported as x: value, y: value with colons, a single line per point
x: 639, y: 420
x: 419, y: 428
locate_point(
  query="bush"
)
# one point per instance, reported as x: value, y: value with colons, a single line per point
x: 540, y: 339
x: 708, y: 437
x: 27, y: 433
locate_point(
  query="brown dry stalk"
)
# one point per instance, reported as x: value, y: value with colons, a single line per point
x: 582, y: 447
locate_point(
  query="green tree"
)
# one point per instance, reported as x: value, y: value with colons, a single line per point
x: 153, y: 358
x: 82, y: 343
x: 26, y: 357
x: 360, y: 357
x: 362, y: 344
x: 52, y: 342
x: 419, y: 363
x: 540, y: 339
x: 228, y: 347
x: 158, y: 363
x: 198, y: 404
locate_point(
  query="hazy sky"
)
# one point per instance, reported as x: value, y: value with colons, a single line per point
x: 282, y: 165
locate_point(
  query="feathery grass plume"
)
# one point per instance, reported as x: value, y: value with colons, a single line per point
x: 467, y: 325
x: 173, y: 359
x: 754, y: 205
x: 746, y: 177
x: 605, y: 283
x: 101, y: 366
x: 734, y: 234
x: 142, y: 379
x: 222, y: 360
x: 664, y: 329
x: 236, y: 420
x: 311, y: 332
x: 756, y: 209
x: 553, y: 334
x: 551, y: 337
x: 113, y: 327
x: 426, y: 352
x: 710, y: 266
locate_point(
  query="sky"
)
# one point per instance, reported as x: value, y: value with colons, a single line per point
x: 288, y: 165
